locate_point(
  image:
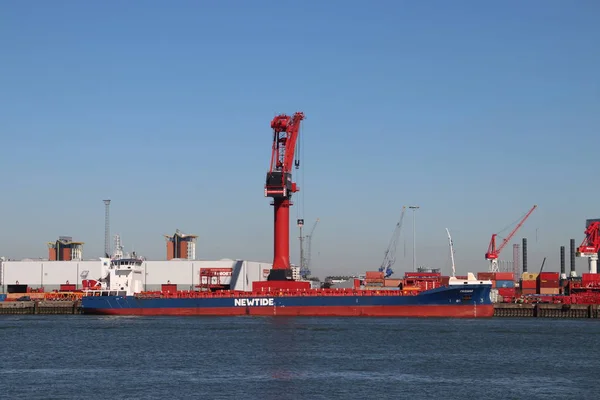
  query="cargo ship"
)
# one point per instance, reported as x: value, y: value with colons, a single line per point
x: 119, y: 292
x: 120, y: 286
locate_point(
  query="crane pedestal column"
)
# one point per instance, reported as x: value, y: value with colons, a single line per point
x: 279, y: 186
x: 593, y: 264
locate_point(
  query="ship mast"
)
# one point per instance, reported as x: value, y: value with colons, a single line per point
x: 451, y: 252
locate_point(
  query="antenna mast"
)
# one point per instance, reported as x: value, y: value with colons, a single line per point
x: 451, y: 253
x: 107, y: 228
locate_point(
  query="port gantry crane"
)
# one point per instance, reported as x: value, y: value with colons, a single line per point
x: 390, y: 254
x: 493, y: 252
x: 280, y: 187
x: 591, y: 246
x: 306, y: 258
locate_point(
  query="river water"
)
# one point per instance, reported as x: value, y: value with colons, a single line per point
x: 95, y: 357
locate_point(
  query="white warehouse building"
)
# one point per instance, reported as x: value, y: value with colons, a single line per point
x: 184, y: 273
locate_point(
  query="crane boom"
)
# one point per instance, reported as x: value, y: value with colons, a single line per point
x: 279, y: 186
x: 389, y: 258
x: 305, y: 265
x: 591, y: 246
x: 493, y: 252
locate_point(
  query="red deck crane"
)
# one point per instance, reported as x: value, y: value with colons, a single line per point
x: 280, y: 187
x: 493, y: 252
x: 591, y: 246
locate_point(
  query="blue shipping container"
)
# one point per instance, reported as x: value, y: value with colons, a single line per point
x: 2, y: 296
x: 505, y: 284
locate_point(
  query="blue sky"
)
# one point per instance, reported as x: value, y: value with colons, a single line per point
x: 473, y: 110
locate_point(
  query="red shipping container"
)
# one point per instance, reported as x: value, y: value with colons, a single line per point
x: 462, y: 277
x: 392, y: 282
x: 169, y: 287
x: 506, y: 292
x: 485, y: 276
x: 549, y: 283
x: 421, y: 274
x: 528, y: 284
x: 374, y: 275
x: 504, y: 276
x: 549, y: 276
x: 67, y: 287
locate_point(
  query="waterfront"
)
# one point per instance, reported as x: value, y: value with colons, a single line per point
x: 72, y: 356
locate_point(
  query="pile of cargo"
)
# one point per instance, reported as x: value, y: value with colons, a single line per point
x: 503, y: 283
x: 547, y: 283
x: 528, y: 283
x: 424, y: 280
x: 376, y: 280
x: 412, y: 281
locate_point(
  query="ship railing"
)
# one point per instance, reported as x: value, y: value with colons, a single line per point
x: 277, y: 293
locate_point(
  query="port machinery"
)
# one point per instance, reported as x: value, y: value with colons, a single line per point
x: 390, y: 253
x: 280, y: 187
x: 494, y: 252
x: 591, y: 246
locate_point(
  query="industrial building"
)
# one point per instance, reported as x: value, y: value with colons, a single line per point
x: 181, y: 246
x: 238, y: 275
x: 65, y: 249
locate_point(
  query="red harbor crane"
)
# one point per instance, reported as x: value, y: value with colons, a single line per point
x: 280, y: 187
x: 493, y: 251
x: 591, y: 246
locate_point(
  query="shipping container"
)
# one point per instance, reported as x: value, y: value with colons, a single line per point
x: 506, y: 292
x: 374, y: 275
x: 549, y: 291
x: 504, y: 276
x: 549, y: 275
x: 505, y: 284
x: 168, y: 287
x: 548, y: 283
x: 528, y: 276
x: 67, y: 287
x: 421, y: 275
x: 485, y: 276
x: 392, y: 282
x: 528, y: 284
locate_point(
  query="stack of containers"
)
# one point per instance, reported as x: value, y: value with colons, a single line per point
x: 505, y: 283
x: 548, y: 283
x: 373, y: 279
x: 528, y: 283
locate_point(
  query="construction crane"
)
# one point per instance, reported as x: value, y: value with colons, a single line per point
x: 493, y: 252
x: 390, y: 253
x: 306, y: 257
x: 591, y: 246
x: 280, y: 187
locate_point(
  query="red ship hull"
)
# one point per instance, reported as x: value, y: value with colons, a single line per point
x: 454, y: 311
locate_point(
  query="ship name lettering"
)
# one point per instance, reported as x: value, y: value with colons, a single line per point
x: 253, y: 302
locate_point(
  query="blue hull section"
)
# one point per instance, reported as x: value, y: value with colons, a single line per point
x: 459, y: 301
